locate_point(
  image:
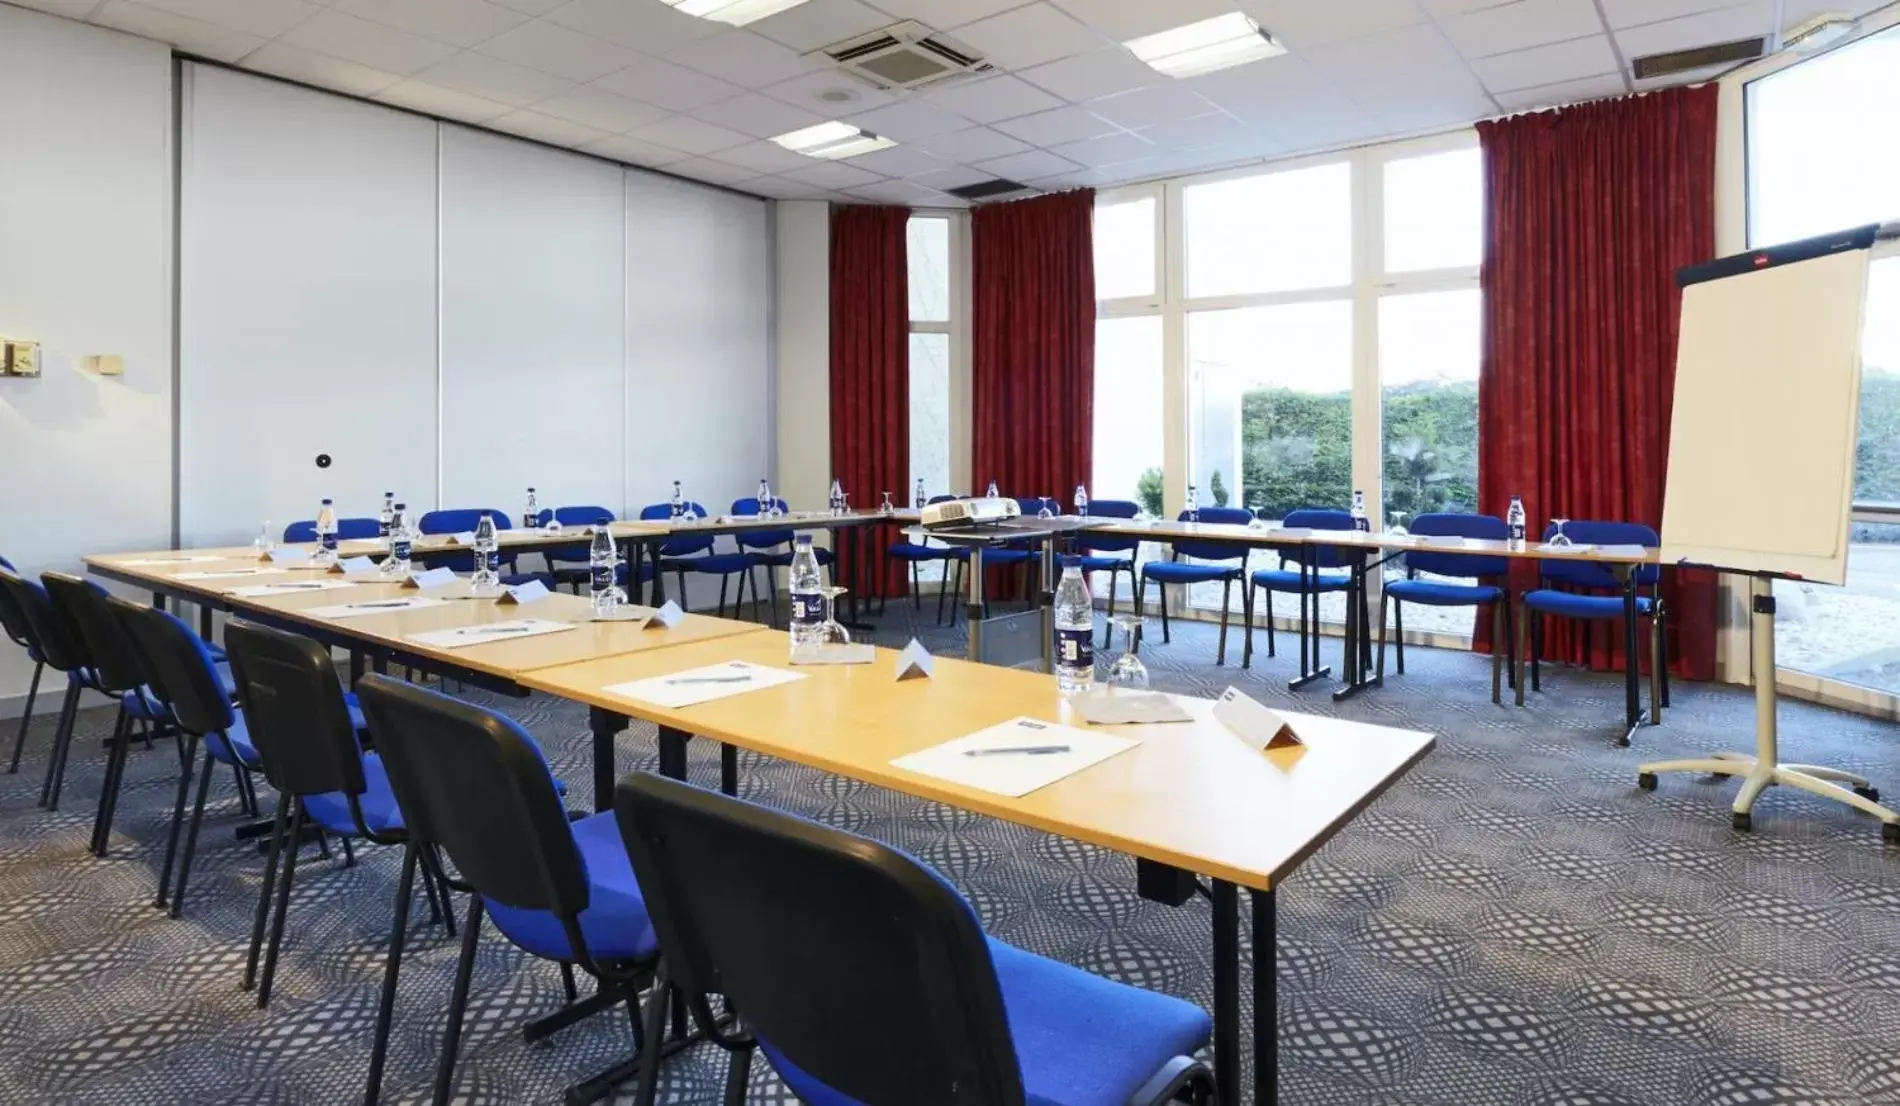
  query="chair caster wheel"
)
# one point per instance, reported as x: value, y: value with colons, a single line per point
x: 1742, y: 823
x: 1646, y: 781
x: 1871, y: 794
x: 1890, y: 833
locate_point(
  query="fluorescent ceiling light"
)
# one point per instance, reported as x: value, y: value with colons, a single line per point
x: 832, y: 140
x: 1218, y: 43
x: 736, y: 12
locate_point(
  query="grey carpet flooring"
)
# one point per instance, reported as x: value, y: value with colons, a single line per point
x: 1514, y: 925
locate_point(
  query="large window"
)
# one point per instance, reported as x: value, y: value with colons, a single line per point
x: 1271, y: 232
x: 929, y: 273
x: 1812, y: 169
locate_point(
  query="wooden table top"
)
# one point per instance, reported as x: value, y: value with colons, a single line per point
x: 1171, y: 530
x: 1190, y: 795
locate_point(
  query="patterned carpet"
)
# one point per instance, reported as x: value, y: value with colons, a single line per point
x: 1514, y: 925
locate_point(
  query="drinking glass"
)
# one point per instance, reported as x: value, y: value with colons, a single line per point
x: 1044, y: 512
x: 1559, y: 539
x: 831, y: 631
x: 264, y: 543
x: 1398, y: 522
x: 1128, y: 671
x: 887, y: 507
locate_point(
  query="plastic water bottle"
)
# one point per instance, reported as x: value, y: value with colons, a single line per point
x: 1075, y: 631
x: 836, y: 499
x: 1514, y: 519
x: 765, y: 497
x: 992, y: 492
x: 487, y: 554
x: 531, y: 514
x: 921, y: 500
x: 401, y: 544
x: 1193, y: 504
x: 601, y: 560
x: 326, y: 533
x: 808, y: 603
x: 383, y: 518
x: 679, y: 500
x: 1081, y: 501
x: 1360, y: 522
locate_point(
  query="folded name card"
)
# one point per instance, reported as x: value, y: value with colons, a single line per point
x: 287, y: 555
x: 1118, y: 708
x: 914, y: 662
x: 1622, y: 551
x: 1573, y: 547
x: 835, y: 654
x: 1445, y: 541
x: 667, y: 617
x: 352, y: 566
x: 531, y: 592
x: 1253, y: 723
x: 1291, y: 532
x: 430, y: 578
x: 466, y: 537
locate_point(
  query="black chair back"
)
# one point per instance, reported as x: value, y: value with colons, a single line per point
x: 294, y: 709
x: 12, y: 619
x: 48, y: 629
x: 856, y: 963
x: 178, y: 668
x: 475, y: 783
x: 87, y: 608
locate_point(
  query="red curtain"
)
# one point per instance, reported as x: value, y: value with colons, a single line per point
x: 1590, y: 211
x: 870, y: 374
x: 1033, y: 357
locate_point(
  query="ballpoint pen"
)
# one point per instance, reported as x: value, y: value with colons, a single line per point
x: 1023, y: 750
x: 477, y: 631
x: 746, y: 679
x: 389, y: 603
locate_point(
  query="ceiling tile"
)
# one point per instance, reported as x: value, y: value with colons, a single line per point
x: 1302, y: 24
x: 743, y: 58
x: 555, y: 49
x: 633, y: 151
x: 546, y: 128
x: 1445, y: 9
x: 1051, y: 128
x: 832, y: 174
x: 765, y: 157
x: 695, y: 136
x: 1148, y: 106
x: 205, y: 39
x: 1029, y: 36
x: 671, y: 86
x: 711, y: 171
x: 1382, y: 58
x: 1107, y: 150
x: 461, y: 22
x: 898, y: 161
x: 909, y: 121
x: 321, y: 70
x: 1566, y: 92
x: 1122, y: 20
x: 1093, y: 75
x: 365, y: 43
x: 650, y: 28
x: 494, y: 79
x: 531, y: 7
x: 816, y: 92
x: 1562, y: 61
x: 1724, y: 25
x: 1216, y: 129
x: 1521, y: 25
x: 445, y: 103
x: 1629, y: 13
x: 1424, y: 101
x: 943, y: 180
x: 818, y: 23
x: 902, y: 192
x: 1076, y: 178
x: 943, y: 15
x: 993, y: 98
x: 1030, y: 163
x: 780, y: 188
x: 593, y: 106
x: 974, y: 144
x: 268, y: 18
x: 69, y: 9
x: 756, y: 115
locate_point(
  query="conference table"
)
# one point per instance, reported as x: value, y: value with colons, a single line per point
x: 1200, y: 811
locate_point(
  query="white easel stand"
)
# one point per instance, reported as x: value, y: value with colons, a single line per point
x: 1764, y: 767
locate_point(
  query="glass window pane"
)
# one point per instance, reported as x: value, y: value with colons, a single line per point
x: 1276, y: 232
x: 929, y: 414
x: 1125, y: 249
x: 929, y: 256
x: 1434, y: 211
x: 1877, y: 458
x: 1128, y: 452
x: 1813, y: 165
x: 1849, y: 633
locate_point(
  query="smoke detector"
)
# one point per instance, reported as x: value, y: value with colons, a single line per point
x: 903, y: 56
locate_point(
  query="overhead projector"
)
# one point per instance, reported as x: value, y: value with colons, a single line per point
x: 957, y: 514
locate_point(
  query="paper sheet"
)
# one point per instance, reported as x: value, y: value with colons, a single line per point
x: 155, y: 562
x: 1015, y: 774
x: 375, y: 606
x: 855, y: 653
x: 263, y: 591
x: 705, y: 684
x: 488, y: 633
x: 227, y: 574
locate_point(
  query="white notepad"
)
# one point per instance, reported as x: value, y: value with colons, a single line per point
x: 1015, y: 774
x: 262, y: 591
x: 375, y: 606
x: 703, y: 685
x: 489, y: 633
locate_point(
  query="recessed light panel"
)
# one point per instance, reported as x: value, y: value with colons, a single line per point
x: 1218, y: 43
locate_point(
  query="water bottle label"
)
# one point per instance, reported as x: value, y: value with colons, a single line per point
x: 529, y: 522
x: 492, y: 560
x: 1362, y: 524
x: 1517, y: 531
x: 1075, y: 648
x: 807, y: 609
x: 399, y: 550
x: 382, y: 528
x: 601, y: 577
x: 329, y: 541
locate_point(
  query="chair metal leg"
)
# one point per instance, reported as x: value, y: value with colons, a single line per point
x: 1497, y: 653
x: 1537, y: 648
x: 1378, y: 668
x: 1246, y: 648
x: 283, y: 906
x: 1656, y: 668
x: 1398, y: 629
x: 1662, y: 654
x: 117, y: 749
x: 1517, y: 660
x: 916, y: 590
x: 1166, y: 637
x: 432, y: 872
x: 458, y: 1003
x: 262, y: 913
x: 1226, y: 591
x: 26, y: 718
x: 392, y: 966
x: 1108, y: 627
x: 738, y: 1075
x: 187, y: 757
x: 655, y: 1019
x: 191, y: 837
x: 722, y: 595
x: 1270, y: 642
x: 1510, y: 640
x: 62, y: 740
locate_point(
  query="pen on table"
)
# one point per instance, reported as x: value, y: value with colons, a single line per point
x: 746, y: 679
x: 477, y: 631
x: 379, y: 606
x: 1024, y: 750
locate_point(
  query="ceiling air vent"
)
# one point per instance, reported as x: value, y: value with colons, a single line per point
x: 991, y: 190
x: 1678, y: 62
x: 903, y: 55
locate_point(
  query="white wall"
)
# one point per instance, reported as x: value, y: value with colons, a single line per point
x: 804, y: 351
x: 85, y: 268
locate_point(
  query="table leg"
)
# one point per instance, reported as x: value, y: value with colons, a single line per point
x: 673, y: 752
x: 973, y: 611
x: 1310, y: 668
x: 1266, y: 1001
x: 1048, y: 601
x: 1632, y: 664
x: 158, y: 601
x: 605, y: 725
x: 850, y: 540
x: 1357, y: 660
x: 1226, y: 925
x: 356, y: 667
x: 729, y: 768
x: 204, y: 621
x: 656, y: 594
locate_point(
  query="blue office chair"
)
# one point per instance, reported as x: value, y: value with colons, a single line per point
x: 462, y: 520
x: 473, y: 783
x: 20, y: 632
x: 1228, y: 564
x: 770, y: 550
x: 1023, y: 554
x: 865, y: 977
x: 918, y: 554
x: 568, y: 564
x: 53, y: 639
x: 696, y: 553
x: 1576, y: 590
x: 347, y: 529
x: 1095, y: 548
x: 1491, y: 576
x: 1321, y: 562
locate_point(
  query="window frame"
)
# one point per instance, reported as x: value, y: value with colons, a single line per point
x: 1152, y: 303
